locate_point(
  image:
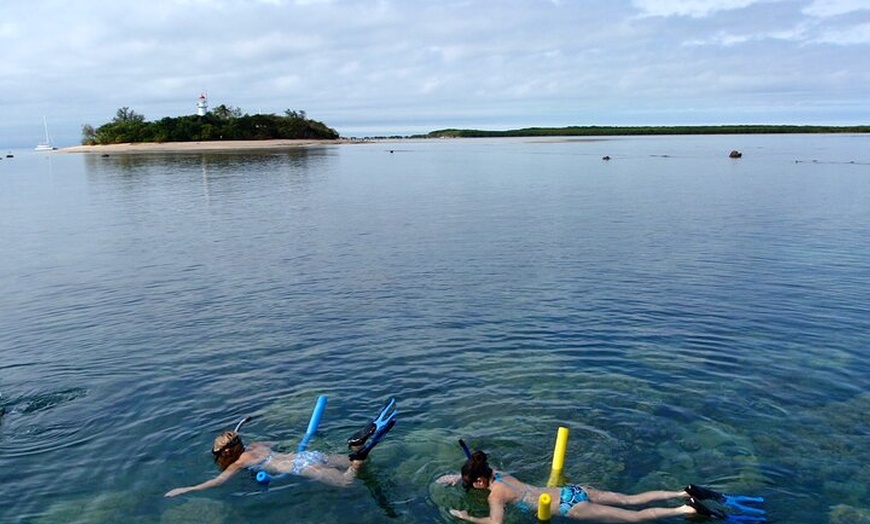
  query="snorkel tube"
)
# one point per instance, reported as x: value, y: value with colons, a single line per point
x: 464, y: 447
x: 241, y: 422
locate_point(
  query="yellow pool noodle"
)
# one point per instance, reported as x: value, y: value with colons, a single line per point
x: 544, y: 507
x: 556, y: 477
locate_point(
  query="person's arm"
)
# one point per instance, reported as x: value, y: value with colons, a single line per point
x: 217, y: 481
x: 450, y: 480
x: 496, y: 513
x: 462, y: 514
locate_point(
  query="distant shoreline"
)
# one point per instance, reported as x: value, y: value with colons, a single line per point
x: 609, y: 131
x: 215, y: 145
x: 563, y: 133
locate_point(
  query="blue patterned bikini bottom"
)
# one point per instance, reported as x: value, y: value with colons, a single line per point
x: 571, y: 496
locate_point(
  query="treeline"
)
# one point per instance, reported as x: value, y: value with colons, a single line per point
x: 645, y: 130
x: 221, y: 123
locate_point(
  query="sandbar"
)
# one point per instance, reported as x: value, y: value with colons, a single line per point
x: 211, y: 145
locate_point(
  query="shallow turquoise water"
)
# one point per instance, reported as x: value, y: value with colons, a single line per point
x: 689, y: 317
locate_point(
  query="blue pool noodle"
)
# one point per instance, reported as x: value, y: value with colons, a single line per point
x: 263, y: 478
x: 313, y: 423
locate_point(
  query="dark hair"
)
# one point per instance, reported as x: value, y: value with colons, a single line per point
x: 474, y: 468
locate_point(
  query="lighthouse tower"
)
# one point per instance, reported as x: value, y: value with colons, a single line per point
x: 202, y: 105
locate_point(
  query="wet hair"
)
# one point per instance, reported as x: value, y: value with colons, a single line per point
x: 474, y: 468
x: 226, y: 441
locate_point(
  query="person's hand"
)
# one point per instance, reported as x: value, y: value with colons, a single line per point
x: 459, y: 514
x: 176, y: 491
x: 450, y: 480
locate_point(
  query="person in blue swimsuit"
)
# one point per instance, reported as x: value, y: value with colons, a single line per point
x: 232, y: 456
x: 575, y: 502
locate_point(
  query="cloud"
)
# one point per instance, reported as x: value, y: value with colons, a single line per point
x: 854, y: 35
x: 690, y: 8
x: 828, y: 8
x: 358, y: 65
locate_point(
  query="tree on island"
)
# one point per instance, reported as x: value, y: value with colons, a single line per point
x: 221, y: 123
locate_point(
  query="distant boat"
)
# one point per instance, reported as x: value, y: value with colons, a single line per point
x: 45, y: 146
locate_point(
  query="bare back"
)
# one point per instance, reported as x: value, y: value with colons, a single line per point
x: 506, y: 489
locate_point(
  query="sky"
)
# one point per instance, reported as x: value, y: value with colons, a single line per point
x: 400, y: 67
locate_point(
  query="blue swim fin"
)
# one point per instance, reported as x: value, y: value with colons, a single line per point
x: 373, y: 432
x: 737, y: 502
x: 706, y: 511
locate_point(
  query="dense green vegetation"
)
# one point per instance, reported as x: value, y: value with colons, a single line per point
x: 221, y: 123
x: 645, y: 130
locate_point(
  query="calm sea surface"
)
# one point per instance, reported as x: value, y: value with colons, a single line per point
x: 690, y: 318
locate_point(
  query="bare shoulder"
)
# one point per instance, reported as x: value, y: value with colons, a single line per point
x: 254, y: 452
x: 508, y: 490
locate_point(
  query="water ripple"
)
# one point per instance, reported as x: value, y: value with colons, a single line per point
x: 689, y: 319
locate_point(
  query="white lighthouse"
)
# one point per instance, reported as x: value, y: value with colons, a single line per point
x: 202, y: 105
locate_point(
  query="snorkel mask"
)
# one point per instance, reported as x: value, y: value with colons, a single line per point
x: 228, y: 439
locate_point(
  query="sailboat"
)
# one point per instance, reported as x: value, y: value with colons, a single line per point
x: 45, y: 146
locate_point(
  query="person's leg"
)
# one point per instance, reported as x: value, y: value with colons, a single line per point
x: 612, y: 498
x: 600, y: 513
x: 332, y: 475
x: 341, y: 462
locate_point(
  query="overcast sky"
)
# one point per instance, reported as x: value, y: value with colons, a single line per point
x: 367, y: 67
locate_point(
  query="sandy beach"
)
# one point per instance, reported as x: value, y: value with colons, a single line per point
x: 217, y: 145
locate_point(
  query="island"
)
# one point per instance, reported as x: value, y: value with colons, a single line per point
x: 223, y: 123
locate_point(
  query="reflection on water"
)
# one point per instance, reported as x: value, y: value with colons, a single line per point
x: 220, y: 161
x: 148, y: 169
x: 690, y: 319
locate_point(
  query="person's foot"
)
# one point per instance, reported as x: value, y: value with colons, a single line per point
x: 701, y: 493
x: 361, y: 452
x: 362, y: 442
x: 376, y: 425
x: 359, y: 438
x: 705, y: 511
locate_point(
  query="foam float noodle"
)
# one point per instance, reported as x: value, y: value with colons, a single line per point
x: 544, y: 507
x: 314, y: 422
x: 556, y: 477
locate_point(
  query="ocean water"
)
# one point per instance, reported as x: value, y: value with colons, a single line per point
x: 689, y: 318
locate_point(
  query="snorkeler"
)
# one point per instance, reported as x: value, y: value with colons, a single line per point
x: 232, y: 456
x: 571, y: 501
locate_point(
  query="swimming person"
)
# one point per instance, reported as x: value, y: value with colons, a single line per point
x: 232, y: 456
x: 571, y: 501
